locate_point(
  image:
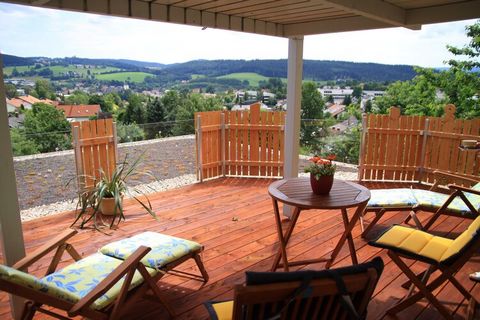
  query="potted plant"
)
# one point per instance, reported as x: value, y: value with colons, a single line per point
x: 107, y: 195
x: 322, y: 171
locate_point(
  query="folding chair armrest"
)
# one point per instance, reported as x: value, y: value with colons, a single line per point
x: 53, y: 244
x: 130, y: 263
x: 464, y: 189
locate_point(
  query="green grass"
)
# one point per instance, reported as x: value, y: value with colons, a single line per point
x: 59, y: 70
x: 124, y: 76
x: 197, y: 76
x: 252, y: 78
x: 8, y: 70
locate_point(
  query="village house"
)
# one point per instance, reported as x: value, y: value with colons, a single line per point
x: 79, y: 112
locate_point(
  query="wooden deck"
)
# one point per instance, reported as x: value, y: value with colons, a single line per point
x: 233, y: 219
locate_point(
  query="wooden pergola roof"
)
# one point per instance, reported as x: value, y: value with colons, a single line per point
x: 282, y: 18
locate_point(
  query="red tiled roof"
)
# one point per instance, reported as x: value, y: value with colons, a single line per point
x: 17, y: 103
x: 80, y: 111
x: 30, y: 99
x: 52, y: 102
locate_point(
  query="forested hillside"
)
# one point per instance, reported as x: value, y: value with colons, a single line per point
x: 313, y: 69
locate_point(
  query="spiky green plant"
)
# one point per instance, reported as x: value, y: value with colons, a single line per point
x: 89, y: 201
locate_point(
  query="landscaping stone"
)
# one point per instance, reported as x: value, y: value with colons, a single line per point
x: 46, y: 183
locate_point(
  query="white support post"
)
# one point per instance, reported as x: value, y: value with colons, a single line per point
x: 11, y: 234
x: 294, y: 99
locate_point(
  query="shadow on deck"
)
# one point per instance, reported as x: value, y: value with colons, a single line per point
x: 233, y: 219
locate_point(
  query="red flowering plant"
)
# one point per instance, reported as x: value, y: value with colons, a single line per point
x: 321, y: 166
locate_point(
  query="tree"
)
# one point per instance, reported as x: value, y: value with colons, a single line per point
x: 415, y: 97
x: 347, y: 146
x: 460, y: 85
x: 357, y: 92
x: 47, y: 127
x: 105, y: 104
x: 156, y: 114
x: 15, y: 72
x: 184, y: 123
x: 172, y: 101
x: 312, y: 109
x: 78, y: 97
x: 368, y: 106
x: 347, y: 100
x: 43, y: 90
x: 10, y: 90
x: 210, y: 89
x: 46, y: 73
x: 471, y: 51
x: 135, y: 110
x: 21, y: 145
x: 129, y: 132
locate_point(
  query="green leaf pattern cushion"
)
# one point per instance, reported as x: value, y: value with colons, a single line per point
x: 26, y: 280
x: 403, y: 197
x: 165, y: 249
x: 81, y: 277
x: 435, y: 200
x: 391, y: 198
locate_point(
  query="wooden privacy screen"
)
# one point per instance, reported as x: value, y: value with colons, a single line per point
x: 95, y: 146
x: 410, y: 148
x: 239, y: 143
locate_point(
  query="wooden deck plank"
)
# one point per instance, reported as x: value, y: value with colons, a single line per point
x: 233, y: 219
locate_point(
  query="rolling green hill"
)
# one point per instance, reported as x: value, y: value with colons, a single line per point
x: 252, y: 71
x: 124, y: 76
x: 251, y: 77
x: 61, y: 70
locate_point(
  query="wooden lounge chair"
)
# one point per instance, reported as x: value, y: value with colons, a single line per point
x: 99, y: 286
x: 341, y: 293
x: 443, y: 254
x: 455, y: 200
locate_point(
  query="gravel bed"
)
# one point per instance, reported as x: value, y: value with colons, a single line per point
x: 50, y: 178
x: 69, y: 205
x: 46, y: 185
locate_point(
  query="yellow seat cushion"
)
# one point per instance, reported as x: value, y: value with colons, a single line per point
x: 414, y: 241
x: 424, y: 245
x: 220, y: 310
x: 463, y: 239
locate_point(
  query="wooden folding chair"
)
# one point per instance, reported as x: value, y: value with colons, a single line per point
x: 341, y: 293
x: 445, y: 255
x: 454, y: 200
x: 113, y: 288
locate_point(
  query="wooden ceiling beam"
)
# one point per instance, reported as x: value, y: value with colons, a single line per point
x: 375, y: 9
x: 333, y: 25
x: 39, y: 2
x: 444, y: 13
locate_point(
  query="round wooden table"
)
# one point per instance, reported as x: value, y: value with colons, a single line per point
x: 297, y: 192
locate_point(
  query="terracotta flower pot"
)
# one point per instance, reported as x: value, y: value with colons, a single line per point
x: 321, y: 186
x: 107, y: 206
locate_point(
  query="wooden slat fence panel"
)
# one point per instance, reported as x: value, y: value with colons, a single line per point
x: 411, y: 148
x: 251, y: 144
x: 95, y: 146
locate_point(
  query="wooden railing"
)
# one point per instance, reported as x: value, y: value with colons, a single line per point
x: 239, y: 143
x: 95, y: 145
x: 410, y: 148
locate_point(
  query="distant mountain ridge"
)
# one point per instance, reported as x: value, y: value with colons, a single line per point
x: 317, y: 70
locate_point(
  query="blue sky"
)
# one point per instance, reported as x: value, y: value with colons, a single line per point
x: 28, y: 31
